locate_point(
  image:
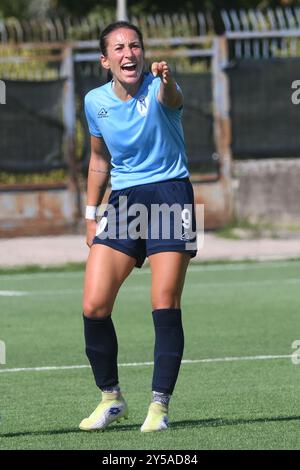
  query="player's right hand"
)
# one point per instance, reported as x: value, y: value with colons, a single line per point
x: 91, y: 226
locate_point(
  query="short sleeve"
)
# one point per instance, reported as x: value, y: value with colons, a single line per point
x: 90, y: 117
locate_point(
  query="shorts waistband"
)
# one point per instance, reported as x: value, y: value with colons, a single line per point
x: 185, y: 179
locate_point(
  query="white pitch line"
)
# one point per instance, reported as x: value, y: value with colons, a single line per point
x: 41, y: 275
x: 12, y: 293
x: 141, y: 364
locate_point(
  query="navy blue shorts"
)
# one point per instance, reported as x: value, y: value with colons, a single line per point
x: 150, y: 218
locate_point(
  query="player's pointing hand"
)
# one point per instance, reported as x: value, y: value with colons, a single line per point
x: 161, y: 70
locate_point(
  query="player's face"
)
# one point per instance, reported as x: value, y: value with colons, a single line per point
x: 125, y: 56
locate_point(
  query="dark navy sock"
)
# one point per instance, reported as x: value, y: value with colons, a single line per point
x: 102, y: 350
x: 168, y: 349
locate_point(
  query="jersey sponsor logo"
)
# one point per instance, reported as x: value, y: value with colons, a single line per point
x: 103, y: 113
x: 142, y: 105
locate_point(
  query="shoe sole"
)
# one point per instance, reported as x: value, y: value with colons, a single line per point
x: 114, y: 420
x: 153, y: 430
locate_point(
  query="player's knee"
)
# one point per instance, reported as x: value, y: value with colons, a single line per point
x: 96, y: 310
x: 165, y: 299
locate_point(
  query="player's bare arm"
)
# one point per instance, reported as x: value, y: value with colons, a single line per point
x: 98, y: 176
x: 169, y: 95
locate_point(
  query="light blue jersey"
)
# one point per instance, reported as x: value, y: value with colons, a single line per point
x: 144, y: 137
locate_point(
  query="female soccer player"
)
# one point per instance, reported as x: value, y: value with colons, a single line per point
x: 135, y: 126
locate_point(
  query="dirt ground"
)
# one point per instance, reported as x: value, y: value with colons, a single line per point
x: 58, y: 250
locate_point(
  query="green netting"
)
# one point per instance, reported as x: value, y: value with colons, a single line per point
x: 265, y: 122
x: 31, y: 127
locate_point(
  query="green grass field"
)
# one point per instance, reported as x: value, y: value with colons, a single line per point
x: 249, y: 312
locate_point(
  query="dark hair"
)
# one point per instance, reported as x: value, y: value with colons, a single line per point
x: 112, y: 27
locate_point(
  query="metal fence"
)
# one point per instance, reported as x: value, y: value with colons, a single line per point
x: 90, y: 27
x: 37, y: 121
x: 78, y: 63
x: 252, y: 32
x: 263, y: 62
x: 261, y: 34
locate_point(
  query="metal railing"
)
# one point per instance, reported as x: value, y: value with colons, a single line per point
x: 252, y: 33
x: 257, y: 34
x: 90, y: 27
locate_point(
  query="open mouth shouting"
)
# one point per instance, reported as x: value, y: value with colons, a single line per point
x: 129, y: 67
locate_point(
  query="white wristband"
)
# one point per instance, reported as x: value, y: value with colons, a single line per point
x: 90, y: 212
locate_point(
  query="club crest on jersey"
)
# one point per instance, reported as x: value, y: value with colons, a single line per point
x: 142, y: 105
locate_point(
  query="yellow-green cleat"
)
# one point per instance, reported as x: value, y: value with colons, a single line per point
x: 157, y: 418
x: 112, y: 408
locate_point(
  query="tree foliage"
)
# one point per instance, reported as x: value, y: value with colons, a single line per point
x: 25, y: 9
x: 38, y: 8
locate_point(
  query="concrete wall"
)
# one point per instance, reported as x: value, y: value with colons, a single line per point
x: 37, y: 211
x: 264, y: 191
x: 267, y: 190
x: 53, y: 210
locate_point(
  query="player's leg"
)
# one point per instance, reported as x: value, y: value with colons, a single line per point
x: 105, y: 272
x: 168, y: 275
